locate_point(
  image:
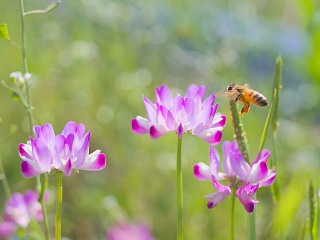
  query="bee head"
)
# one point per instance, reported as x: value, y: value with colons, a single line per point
x: 231, y: 86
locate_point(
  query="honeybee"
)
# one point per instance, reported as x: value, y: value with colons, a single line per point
x: 245, y: 95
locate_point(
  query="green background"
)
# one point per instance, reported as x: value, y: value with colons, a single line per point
x: 91, y: 62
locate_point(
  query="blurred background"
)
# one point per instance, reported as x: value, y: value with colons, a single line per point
x: 92, y: 60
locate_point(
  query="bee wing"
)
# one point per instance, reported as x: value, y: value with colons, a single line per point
x: 231, y: 94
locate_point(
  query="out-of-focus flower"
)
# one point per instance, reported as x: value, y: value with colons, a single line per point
x: 19, y: 210
x: 181, y: 114
x: 18, y: 79
x: 66, y: 151
x: 238, y: 174
x: 127, y: 230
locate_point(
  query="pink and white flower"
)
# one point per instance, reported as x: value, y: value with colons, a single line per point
x: 66, y: 151
x: 19, y: 210
x: 237, y: 173
x: 181, y: 114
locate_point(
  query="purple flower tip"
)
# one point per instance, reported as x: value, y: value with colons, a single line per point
x: 196, y: 170
x: 210, y: 205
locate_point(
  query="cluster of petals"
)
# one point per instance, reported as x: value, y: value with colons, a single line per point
x: 237, y: 173
x: 66, y: 151
x: 19, y: 210
x: 181, y: 114
x: 127, y: 230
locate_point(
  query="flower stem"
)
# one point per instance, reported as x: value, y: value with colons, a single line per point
x: 59, y: 205
x: 4, y: 181
x: 233, y: 198
x: 28, y: 108
x: 25, y: 65
x: 43, y: 206
x: 239, y: 130
x: 179, y: 192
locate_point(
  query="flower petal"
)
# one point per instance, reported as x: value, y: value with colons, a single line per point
x: 150, y: 109
x: 211, y: 136
x: 201, y: 171
x: 262, y: 156
x: 214, y: 199
x: 67, y: 167
x: 258, y: 172
x: 140, y: 125
x: 30, y: 169
x: 214, y: 162
x: 219, y: 187
x: 96, y: 161
x: 239, y: 166
x: 157, y: 131
x: 245, y: 195
x: 7, y: 229
x: 163, y: 96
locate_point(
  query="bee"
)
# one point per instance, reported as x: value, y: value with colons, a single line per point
x: 245, y: 95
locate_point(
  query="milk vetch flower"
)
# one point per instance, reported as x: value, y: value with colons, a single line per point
x: 66, y: 151
x: 19, y: 210
x: 181, y: 114
x: 237, y: 174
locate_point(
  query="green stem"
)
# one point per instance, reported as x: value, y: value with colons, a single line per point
x: 243, y: 146
x: 40, y: 188
x: 4, y: 181
x: 43, y: 206
x: 25, y: 65
x: 239, y: 130
x: 24, y: 39
x: 59, y: 205
x: 252, y: 224
x: 179, y: 192
x: 233, y: 198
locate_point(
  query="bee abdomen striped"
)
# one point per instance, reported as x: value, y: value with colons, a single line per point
x: 260, y: 100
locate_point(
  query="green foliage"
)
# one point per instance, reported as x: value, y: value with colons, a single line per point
x: 92, y: 62
x: 4, y: 31
x: 314, y: 212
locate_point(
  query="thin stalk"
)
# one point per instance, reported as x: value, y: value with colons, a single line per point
x: 25, y: 64
x: 243, y: 146
x: 275, y: 122
x: 43, y: 206
x: 59, y: 205
x: 252, y: 224
x: 233, y: 200
x: 179, y: 192
x: 239, y: 130
x: 4, y: 181
x: 29, y: 104
x: 50, y: 8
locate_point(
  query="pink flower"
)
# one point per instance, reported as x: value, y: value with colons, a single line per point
x: 66, y: 151
x: 127, y: 230
x: 181, y: 114
x: 19, y: 210
x: 238, y: 173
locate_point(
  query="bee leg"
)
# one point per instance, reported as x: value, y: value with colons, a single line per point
x: 245, y: 109
x: 237, y: 98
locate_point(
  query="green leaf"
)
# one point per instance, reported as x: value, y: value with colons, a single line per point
x: 276, y: 97
x: 4, y: 31
x: 314, y: 212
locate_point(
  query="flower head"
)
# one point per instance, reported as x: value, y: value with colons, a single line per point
x: 127, y: 230
x: 237, y: 173
x: 181, y: 114
x: 66, y: 151
x: 19, y: 210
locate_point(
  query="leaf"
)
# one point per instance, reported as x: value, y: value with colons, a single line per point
x: 4, y: 31
x: 313, y: 211
x: 276, y: 97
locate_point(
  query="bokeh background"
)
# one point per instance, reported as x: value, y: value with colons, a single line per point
x: 91, y: 62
